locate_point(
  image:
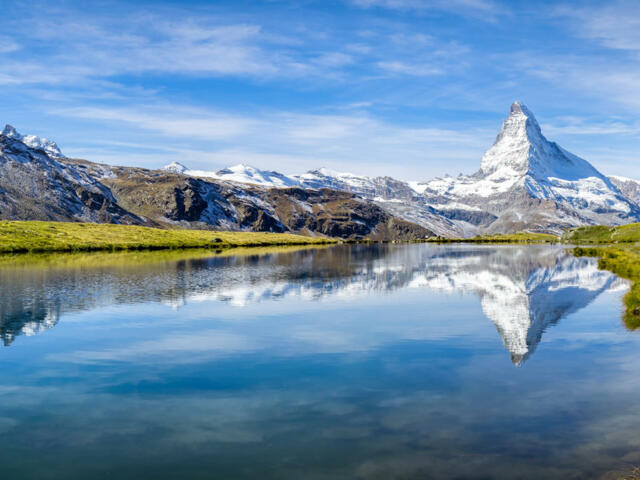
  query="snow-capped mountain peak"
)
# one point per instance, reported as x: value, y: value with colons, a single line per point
x: 240, y: 173
x: 248, y: 174
x: 528, y: 182
x: 525, y: 182
x: 521, y: 148
x: 510, y: 153
x: 48, y: 146
x: 175, y: 167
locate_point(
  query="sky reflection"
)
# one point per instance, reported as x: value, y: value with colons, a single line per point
x: 354, y: 362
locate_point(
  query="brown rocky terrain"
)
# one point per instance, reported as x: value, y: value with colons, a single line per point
x: 35, y: 185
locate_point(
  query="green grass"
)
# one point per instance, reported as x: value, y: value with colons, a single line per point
x: 619, y: 252
x: 601, y: 234
x: 624, y: 261
x: 520, y: 237
x: 32, y: 236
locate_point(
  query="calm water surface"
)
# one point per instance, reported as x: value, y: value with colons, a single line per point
x: 411, y: 361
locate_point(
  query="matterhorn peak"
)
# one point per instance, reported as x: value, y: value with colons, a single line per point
x: 519, y: 137
x: 48, y: 146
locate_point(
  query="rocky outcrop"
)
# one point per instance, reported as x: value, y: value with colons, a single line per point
x: 165, y: 197
x: 38, y: 185
x: 629, y: 187
x: 35, y: 186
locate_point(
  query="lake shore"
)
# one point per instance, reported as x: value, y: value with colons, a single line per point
x: 618, y: 250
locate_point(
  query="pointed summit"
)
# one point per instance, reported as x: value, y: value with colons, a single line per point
x: 175, y: 167
x: 48, y: 146
x: 10, y: 131
x: 518, y: 107
x: 520, y: 146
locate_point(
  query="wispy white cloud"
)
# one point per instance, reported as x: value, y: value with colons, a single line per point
x: 484, y: 9
x: 294, y: 141
x: 173, y: 122
x: 397, y: 67
x: 428, y: 4
x: 614, y: 24
x: 572, y: 125
x: 83, y: 48
x: 8, y: 44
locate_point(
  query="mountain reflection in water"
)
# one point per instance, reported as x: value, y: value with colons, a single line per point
x: 522, y: 289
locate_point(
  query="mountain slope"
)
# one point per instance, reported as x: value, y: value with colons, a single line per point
x: 629, y: 187
x: 35, y: 186
x: 525, y: 182
x: 177, y: 199
x: 395, y: 197
x: 528, y: 182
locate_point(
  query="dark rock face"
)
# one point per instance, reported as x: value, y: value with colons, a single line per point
x: 34, y: 186
x: 163, y: 198
x: 188, y: 204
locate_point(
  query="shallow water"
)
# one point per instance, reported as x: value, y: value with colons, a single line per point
x: 384, y: 361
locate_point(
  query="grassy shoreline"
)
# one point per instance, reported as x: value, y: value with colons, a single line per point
x: 618, y: 251
x: 600, y: 234
x: 37, y: 237
x: 623, y: 261
x: 42, y: 236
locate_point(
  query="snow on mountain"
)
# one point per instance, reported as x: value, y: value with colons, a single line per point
x: 247, y: 174
x: 629, y: 187
x: 395, y: 196
x: 175, y: 167
x: 527, y: 182
x: 238, y: 173
x: 37, y: 143
x: 38, y: 185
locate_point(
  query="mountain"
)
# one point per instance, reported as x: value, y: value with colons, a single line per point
x: 192, y: 202
x: 628, y: 187
x: 395, y: 197
x: 526, y: 182
x: 37, y: 143
x: 35, y: 185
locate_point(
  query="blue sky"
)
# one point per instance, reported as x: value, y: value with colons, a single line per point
x: 408, y: 88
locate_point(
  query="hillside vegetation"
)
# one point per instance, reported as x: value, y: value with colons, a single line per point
x: 600, y: 234
x: 35, y: 236
x: 624, y: 261
x: 619, y: 252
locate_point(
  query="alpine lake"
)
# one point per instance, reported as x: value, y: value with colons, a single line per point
x: 350, y: 361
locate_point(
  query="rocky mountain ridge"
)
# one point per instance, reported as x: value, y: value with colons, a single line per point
x: 525, y: 182
x: 37, y: 186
